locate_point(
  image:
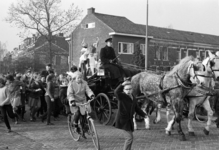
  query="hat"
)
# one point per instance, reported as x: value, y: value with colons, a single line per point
x: 49, y: 65
x: 74, y: 68
x: 109, y: 40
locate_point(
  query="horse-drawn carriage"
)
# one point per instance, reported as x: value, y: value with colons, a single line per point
x: 103, y: 86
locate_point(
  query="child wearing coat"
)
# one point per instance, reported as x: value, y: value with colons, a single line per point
x: 76, y: 93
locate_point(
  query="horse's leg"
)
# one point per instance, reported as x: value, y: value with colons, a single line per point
x: 192, y: 104
x: 179, y: 119
x: 168, y: 111
x: 170, y: 123
x: 135, y: 124
x: 147, y: 123
x: 207, y: 107
x: 158, y: 116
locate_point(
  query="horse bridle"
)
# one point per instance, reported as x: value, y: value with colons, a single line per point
x: 181, y: 82
x: 213, y: 70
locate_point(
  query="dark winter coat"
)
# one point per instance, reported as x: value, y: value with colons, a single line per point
x: 126, y: 109
x: 33, y: 86
x: 107, y: 54
x: 63, y: 95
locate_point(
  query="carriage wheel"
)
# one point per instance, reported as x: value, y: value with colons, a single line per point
x: 102, y: 108
x: 200, y: 114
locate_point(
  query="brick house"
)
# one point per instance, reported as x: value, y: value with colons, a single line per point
x: 165, y: 46
x: 40, y: 52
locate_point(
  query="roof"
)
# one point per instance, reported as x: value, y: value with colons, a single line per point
x: 58, y: 40
x: 123, y: 25
x: 45, y: 48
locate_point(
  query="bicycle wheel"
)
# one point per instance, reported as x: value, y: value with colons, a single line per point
x: 72, y: 129
x: 92, y: 131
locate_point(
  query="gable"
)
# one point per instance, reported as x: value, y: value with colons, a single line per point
x: 44, y: 49
x: 58, y: 40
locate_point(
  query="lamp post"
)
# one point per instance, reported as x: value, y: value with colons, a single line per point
x: 69, y: 53
x: 146, y: 39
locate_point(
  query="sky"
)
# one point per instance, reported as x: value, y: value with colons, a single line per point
x: 200, y: 16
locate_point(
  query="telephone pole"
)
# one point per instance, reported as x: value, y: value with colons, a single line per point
x: 146, y: 39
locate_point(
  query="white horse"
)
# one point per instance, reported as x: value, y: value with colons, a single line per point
x: 199, y: 95
x: 170, y: 87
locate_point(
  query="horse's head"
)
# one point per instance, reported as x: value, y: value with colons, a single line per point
x: 186, y: 68
x: 194, y: 66
x: 211, y: 64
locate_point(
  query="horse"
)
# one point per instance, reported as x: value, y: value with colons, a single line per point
x: 174, y: 86
x: 200, y: 94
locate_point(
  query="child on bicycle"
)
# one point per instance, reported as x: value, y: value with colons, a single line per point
x: 76, y: 93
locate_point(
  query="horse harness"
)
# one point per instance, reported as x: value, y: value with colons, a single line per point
x: 203, y: 87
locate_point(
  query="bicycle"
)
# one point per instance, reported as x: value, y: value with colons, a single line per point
x: 86, y: 125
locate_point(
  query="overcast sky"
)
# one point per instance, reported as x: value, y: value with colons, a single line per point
x: 189, y: 15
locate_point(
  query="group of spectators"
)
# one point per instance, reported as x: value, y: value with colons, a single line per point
x: 43, y: 93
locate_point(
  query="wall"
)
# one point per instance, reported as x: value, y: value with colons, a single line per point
x: 89, y: 36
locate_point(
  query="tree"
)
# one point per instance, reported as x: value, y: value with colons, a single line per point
x: 44, y: 17
x: 138, y: 58
x: 3, y: 50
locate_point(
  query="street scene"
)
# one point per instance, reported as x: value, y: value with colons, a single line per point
x: 35, y: 136
x: 109, y: 75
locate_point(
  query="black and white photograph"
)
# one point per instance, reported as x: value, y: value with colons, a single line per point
x: 109, y: 75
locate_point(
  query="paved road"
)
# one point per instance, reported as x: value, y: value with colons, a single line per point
x: 38, y: 136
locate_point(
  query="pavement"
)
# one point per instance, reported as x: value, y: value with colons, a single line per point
x: 39, y: 136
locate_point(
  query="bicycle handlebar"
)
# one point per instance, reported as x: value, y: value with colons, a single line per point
x: 85, y: 103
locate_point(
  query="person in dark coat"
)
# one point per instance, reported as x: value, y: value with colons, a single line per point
x: 48, y: 70
x: 126, y: 108
x: 63, y: 95
x: 35, y: 89
x: 109, y: 60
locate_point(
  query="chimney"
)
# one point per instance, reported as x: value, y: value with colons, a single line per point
x: 90, y: 10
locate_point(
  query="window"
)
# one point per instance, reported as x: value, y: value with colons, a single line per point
x: 202, y: 54
x: 183, y: 53
x: 192, y: 52
x: 165, y: 54
x: 126, y: 48
x: 64, y: 60
x: 142, y: 48
x: 88, y: 25
x: 58, y: 60
x: 206, y: 53
x: 157, y: 53
x: 197, y: 54
x: 42, y: 59
x: 178, y: 54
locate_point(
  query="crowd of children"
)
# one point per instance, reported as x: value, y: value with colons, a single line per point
x: 42, y: 94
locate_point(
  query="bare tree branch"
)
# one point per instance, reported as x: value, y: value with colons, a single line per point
x: 44, y: 17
